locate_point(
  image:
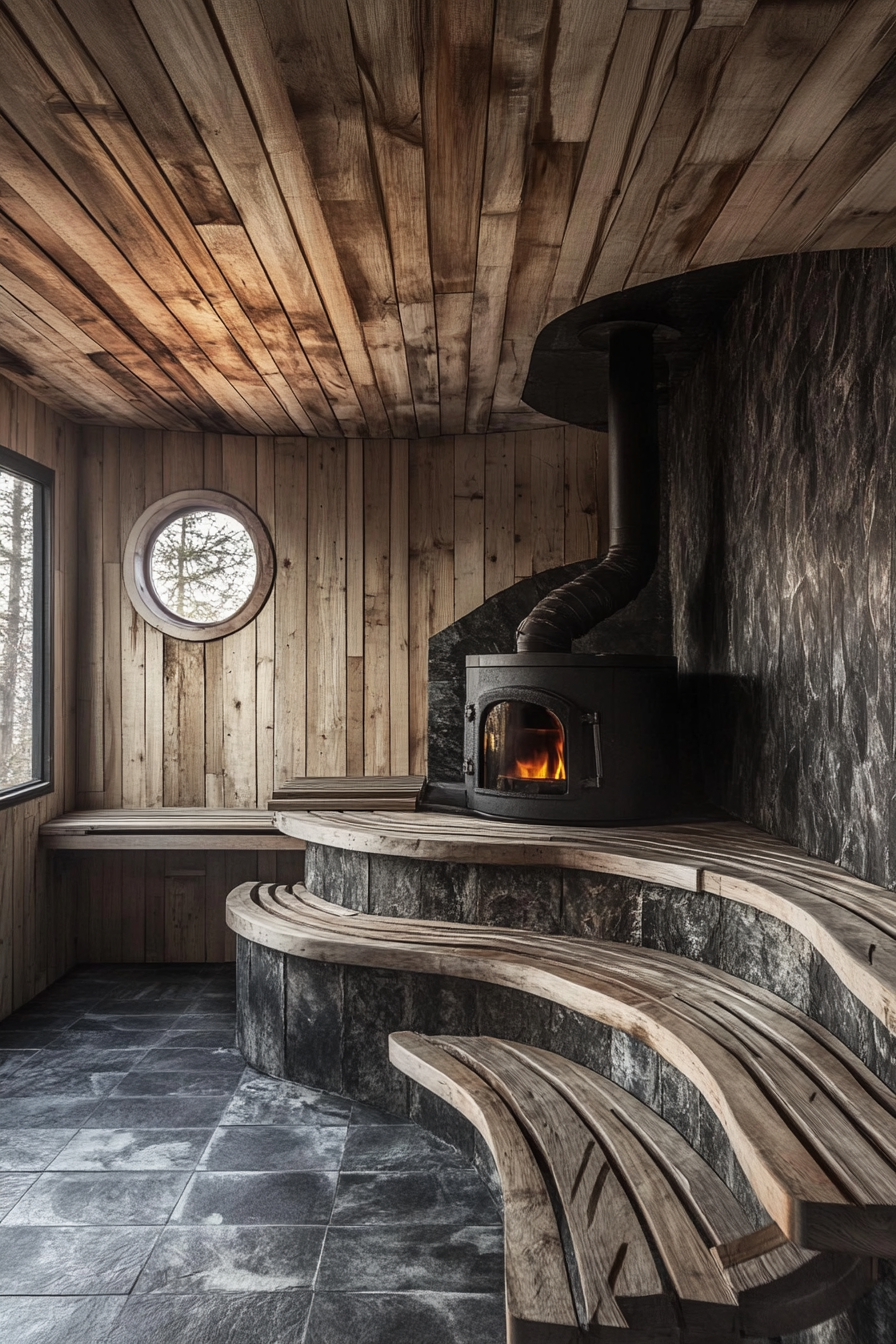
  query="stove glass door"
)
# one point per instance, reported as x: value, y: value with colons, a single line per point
x: 523, y: 749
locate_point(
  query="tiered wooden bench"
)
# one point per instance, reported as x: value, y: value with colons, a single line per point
x: 851, y: 923
x: 562, y: 1137
x: 813, y: 1129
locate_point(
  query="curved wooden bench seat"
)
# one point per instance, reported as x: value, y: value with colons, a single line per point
x: 851, y: 923
x: 813, y: 1129
x: 616, y: 1167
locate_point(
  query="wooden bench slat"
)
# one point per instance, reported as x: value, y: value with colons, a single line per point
x: 561, y: 1108
x: 536, y: 1282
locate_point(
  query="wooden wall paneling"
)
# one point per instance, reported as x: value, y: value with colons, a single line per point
x: 239, y: 651
x: 547, y: 466
x: 147, y: 219
x: 430, y: 574
x: 762, y: 67
x: 334, y: 138
x: 855, y: 54
x: 112, y: 587
x: 326, y: 665
x: 90, y: 748
x: 377, y: 607
x: 188, y: 43
x: 694, y: 68
x: 133, y: 905
x: 185, y: 877
x: 265, y: 634
x: 216, y: 890
x: 111, y: 907
x: 582, y: 539
x: 290, y: 604
x: 132, y: 723
x: 354, y: 605
x: 499, y: 513
x: 154, y: 879
x: 399, y: 610
x: 386, y: 38
x: 469, y: 523
x: 518, y: 44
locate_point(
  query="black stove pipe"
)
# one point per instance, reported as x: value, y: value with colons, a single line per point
x: 573, y: 609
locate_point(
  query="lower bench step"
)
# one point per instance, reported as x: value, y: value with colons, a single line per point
x: 657, y: 1249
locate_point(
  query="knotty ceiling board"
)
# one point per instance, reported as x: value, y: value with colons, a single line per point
x: 343, y: 218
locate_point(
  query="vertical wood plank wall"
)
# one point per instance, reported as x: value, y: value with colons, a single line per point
x: 379, y: 544
x: 37, y: 923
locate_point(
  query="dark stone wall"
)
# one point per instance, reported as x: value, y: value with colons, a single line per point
x: 742, y: 941
x: 782, y: 470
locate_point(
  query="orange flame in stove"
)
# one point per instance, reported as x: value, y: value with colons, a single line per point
x: 539, y: 755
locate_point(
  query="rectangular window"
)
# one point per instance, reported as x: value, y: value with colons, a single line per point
x: 26, y: 666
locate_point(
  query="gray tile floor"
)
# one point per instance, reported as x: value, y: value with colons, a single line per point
x: 153, y: 1189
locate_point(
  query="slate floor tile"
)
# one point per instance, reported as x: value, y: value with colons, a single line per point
x: 116, y: 1021
x: 414, y: 1256
x: 46, y: 1079
x: 213, y: 1318
x: 161, y: 1112
x: 10, y: 1060
x: 232, y: 1259
x: 221, y: 1059
x: 446, y: 1198
x: 397, y: 1148
x: 275, y: 1148
x: 176, y: 1083
x: 211, y: 1038
x: 28, y: 1038
x: 371, y: 1115
x: 61, y: 1260
x: 245, y: 1198
x: 32, y: 1149
x: 13, y: 1185
x: 133, y: 1150
x: 58, y: 1320
x: 407, y: 1318
x: 269, y: 1101
x: 95, y: 1038
x: 44, y: 1112
x: 139, y: 1008
x: 94, y: 1199
x: 195, y: 1021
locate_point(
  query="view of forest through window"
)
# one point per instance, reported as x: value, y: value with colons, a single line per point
x: 17, y: 508
x: 203, y: 566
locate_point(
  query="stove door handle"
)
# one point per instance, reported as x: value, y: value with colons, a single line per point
x: 594, y: 720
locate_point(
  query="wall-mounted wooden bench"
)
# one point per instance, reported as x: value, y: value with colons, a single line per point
x: 167, y: 828
x: 563, y: 1137
x: 812, y: 1128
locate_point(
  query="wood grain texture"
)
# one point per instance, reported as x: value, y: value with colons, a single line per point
x: 816, y: 1163
x: 378, y: 543
x: 611, y: 1161
x: 354, y: 219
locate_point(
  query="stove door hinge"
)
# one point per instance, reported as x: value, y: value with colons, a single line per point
x: 469, y: 713
x: 597, y: 781
x: 469, y: 767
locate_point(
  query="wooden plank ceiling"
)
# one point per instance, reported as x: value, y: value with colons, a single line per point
x: 352, y: 217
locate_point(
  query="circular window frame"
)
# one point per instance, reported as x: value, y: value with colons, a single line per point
x: 138, y: 551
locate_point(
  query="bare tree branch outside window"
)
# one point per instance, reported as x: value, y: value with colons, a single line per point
x: 203, y: 566
x: 16, y: 629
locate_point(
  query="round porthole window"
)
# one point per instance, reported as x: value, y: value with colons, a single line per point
x: 198, y: 564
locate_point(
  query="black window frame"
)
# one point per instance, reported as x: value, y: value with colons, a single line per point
x: 44, y: 479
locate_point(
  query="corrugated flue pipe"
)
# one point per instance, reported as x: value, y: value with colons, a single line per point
x: 571, y: 610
